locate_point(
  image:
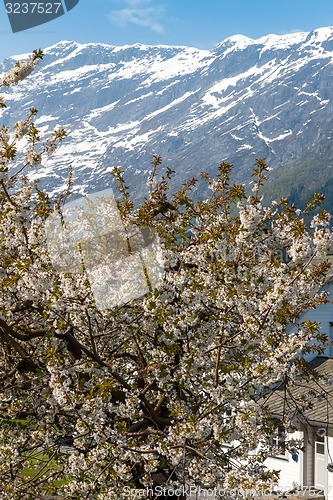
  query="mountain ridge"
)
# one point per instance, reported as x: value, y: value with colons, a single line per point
x: 243, y: 99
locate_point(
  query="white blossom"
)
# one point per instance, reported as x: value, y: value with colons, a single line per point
x: 95, y: 400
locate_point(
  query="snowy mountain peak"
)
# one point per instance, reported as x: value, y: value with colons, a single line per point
x: 320, y: 35
x: 278, y: 42
x: 237, y: 41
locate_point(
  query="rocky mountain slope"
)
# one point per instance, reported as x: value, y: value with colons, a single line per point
x: 244, y: 99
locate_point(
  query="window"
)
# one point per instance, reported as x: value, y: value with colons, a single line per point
x: 278, y: 443
x: 320, y: 444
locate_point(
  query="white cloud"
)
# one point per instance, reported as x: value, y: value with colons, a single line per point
x: 135, y: 3
x: 139, y: 12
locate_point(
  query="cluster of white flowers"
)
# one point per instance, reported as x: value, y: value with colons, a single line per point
x: 33, y: 158
x: 50, y: 148
x: 19, y: 72
x: 300, y: 249
x: 323, y: 240
x: 21, y: 128
x: 60, y: 384
x: 4, y: 135
x: 4, y: 161
x: 250, y: 215
x: 322, y: 219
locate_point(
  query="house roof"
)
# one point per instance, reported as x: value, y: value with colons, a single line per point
x: 309, y: 399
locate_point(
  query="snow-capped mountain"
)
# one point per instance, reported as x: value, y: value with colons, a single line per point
x: 244, y: 99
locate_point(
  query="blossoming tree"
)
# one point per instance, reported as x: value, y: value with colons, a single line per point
x: 102, y: 403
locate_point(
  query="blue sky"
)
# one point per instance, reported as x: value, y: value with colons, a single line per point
x: 199, y: 23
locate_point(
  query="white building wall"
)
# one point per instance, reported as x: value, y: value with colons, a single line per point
x: 301, y: 473
x: 291, y: 472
